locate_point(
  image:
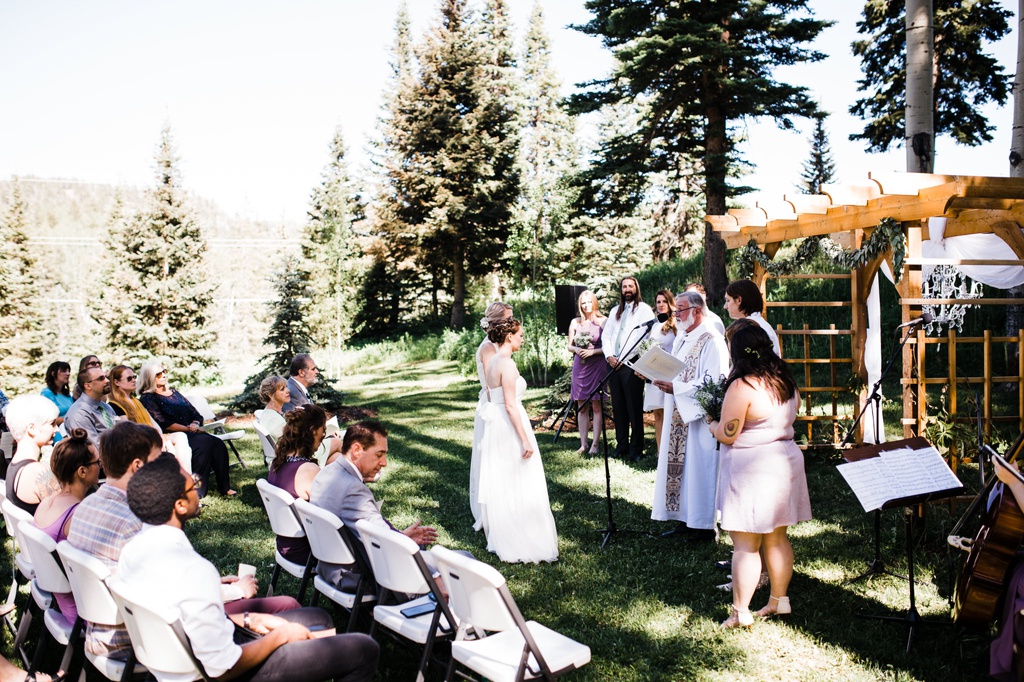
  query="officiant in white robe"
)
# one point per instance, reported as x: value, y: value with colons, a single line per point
x: 684, y: 488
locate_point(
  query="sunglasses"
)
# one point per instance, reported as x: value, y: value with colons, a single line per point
x: 89, y: 464
x: 94, y: 363
x: 161, y: 373
x: 131, y: 378
x: 102, y: 377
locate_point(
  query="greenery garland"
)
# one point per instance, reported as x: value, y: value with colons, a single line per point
x: 887, y: 235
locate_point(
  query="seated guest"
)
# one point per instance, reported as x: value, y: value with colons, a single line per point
x: 91, y: 412
x: 175, y: 414
x: 125, y: 404
x: 293, y: 469
x: 303, y: 373
x: 76, y: 466
x: 161, y: 564
x: 31, y: 420
x: 58, y: 376
x: 88, y: 362
x: 341, y: 488
x: 275, y: 394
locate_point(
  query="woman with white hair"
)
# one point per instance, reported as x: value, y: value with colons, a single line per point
x: 32, y: 421
x: 496, y: 312
x: 275, y: 394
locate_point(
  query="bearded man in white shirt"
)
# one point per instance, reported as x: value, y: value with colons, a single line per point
x: 626, y: 325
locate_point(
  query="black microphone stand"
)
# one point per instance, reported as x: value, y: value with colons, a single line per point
x: 877, y: 566
x: 612, y: 527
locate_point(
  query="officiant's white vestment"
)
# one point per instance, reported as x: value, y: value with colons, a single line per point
x: 684, y: 489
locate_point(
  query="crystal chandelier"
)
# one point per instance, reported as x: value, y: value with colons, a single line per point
x: 948, y: 282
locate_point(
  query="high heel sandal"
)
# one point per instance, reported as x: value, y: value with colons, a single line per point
x: 738, y: 619
x: 781, y: 609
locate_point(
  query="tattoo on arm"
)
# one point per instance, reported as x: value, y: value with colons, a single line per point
x: 732, y: 427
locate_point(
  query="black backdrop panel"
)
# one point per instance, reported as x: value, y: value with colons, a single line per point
x: 566, y: 296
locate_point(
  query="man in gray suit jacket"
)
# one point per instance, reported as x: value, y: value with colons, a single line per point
x: 303, y: 373
x: 341, y: 488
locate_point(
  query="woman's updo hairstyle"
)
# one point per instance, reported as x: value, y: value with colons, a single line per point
x: 500, y: 331
x: 269, y: 386
x: 494, y: 313
x: 297, y: 438
x: 70, y: 453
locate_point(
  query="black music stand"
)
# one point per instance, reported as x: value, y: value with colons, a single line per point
x: 912, y: 618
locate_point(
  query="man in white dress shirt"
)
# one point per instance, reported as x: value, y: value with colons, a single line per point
x: 684, y: 488
x: 625, y: 326
x: 160, y: 564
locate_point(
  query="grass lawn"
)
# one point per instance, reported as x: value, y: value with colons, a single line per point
x: 647, y: 607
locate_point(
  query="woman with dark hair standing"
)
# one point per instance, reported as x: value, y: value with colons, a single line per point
x: 744, y: 300
x: 294, y: 466
x: 58, y: 376
x: 762, y: 487
x: 76, y: 466
x: 514, y: 506
x: 664, y: 335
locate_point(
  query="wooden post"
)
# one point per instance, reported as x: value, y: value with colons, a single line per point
x: 832, y: 382
x: 951, y: 346
x: 807, y: 382
x: 987, y: 355
x: 1020, y: 380
x: 910, y: 287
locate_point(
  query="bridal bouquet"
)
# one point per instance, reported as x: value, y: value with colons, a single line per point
x: 710, y: 395
x: 583, y: 340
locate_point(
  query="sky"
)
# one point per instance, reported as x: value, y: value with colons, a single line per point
x: 253, y: 92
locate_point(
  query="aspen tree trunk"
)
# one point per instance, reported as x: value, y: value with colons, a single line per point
x: 920, y: 129
x: 1015, y: 313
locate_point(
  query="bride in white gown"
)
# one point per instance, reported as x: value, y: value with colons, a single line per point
x: 513, y: 492
x: 496, y: 312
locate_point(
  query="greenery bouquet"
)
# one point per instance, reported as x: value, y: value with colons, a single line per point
x: 583, y: 340
x: 710, y: 395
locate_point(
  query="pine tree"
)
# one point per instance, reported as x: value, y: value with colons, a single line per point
x: 549, y: 156
x: 702, y: 66
x: 964, y: 77
x: 21, y: 307
x: 463, y: 142
x: 394, y: 281
x: 819, y: 168
x: 168, y: 291
x: 119, y: 281
x: 332, y: 253
x: 289, y: 335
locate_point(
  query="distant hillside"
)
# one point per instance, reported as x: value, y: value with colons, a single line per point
x: 67, y: 220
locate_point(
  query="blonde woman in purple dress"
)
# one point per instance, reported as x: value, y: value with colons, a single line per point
x: 587, y: 367
x: 762, y: 488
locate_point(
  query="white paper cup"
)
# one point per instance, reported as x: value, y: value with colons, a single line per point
x: 246, y: 569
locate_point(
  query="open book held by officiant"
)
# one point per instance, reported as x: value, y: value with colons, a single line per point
x: 656, y: 365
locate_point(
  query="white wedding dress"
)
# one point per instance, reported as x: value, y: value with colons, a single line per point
x: 474, y: 458
x: 513, y: 492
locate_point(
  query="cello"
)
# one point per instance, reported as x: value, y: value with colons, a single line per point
x: 983, y: 577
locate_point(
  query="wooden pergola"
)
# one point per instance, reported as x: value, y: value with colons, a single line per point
x: 848, y: 214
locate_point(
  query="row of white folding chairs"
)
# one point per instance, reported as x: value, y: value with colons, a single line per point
x: 51, y: 567
x: 480, y: 602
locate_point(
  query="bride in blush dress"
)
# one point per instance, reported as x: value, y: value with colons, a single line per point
x: 513, y: 493
x: 496, y: 312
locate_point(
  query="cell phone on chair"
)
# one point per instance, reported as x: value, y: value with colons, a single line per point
x: 419, y: 609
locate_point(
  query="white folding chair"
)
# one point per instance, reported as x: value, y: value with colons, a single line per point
x: 399, y: 569
x: 329, y: 544
x: 50, y: 578
x: 280, y: 508
x: 15, y: 517
x: 9, y: 529
x: 266, y: 442
x: 518, y: 649
x: 214, y: 426
x: 156, y: 632
x: 87, y: 576
x: 7, y: 444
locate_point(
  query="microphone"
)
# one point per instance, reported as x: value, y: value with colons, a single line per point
x: 662, y: 317
x: 924, y: 319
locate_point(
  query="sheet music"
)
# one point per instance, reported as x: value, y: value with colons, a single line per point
x: 896, y: 474
x: 657, y: 364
